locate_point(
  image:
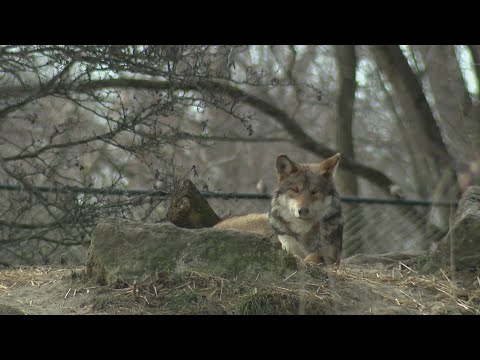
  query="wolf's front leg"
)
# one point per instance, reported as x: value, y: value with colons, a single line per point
x: 292, y: 246
x: 331, y: 254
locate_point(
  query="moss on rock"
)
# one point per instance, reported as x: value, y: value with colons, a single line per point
x: 128, y: 251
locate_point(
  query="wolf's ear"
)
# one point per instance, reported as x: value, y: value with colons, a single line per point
x: 285, y: 167
x: 328, y: 167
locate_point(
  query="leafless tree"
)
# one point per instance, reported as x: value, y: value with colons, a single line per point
x: 118, y: 117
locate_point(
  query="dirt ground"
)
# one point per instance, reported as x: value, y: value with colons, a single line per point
x: 349, y: 289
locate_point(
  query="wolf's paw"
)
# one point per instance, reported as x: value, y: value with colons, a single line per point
x: 300, y: 262
x: 277, y: 244
x: 314, y: 258
x: 274, y: 242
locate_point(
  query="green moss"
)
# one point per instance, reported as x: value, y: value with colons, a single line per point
x: 231, y: 257
x: 134, y: 251
x: 10, y: 310
x: 272, y: 302
x: 94, y: 270
x: 189, y: 303
x: 317, y: 272
x: 115, y: 304
x: 290, y: 262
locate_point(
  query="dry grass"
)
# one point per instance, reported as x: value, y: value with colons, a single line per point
x: 34, y: 276
x: 397, y: 284
x: 404, y: 286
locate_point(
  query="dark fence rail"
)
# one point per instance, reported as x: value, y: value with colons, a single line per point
x: 218, y: 195
x: 371, y: 225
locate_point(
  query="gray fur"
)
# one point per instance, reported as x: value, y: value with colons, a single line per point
x: 324, y: 232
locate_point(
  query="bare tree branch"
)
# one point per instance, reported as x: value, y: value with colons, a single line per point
x: 289, y: 124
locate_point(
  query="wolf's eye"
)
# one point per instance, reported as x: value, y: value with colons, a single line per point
x: 314, y: 191
x: 294, y: 189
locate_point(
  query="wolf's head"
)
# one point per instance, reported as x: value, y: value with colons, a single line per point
x: 305, y: 189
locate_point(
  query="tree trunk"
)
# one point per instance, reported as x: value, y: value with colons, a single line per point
x: 475, y: 53
x: 189, y: 209
x: 346, y: 61
x: 417, y: 114
x: 421, y: 187
x: 454, y: 107
x: 450, y: 95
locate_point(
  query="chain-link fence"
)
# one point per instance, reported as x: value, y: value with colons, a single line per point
x: 371, y: 225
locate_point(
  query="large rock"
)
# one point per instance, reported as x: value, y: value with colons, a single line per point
x: 128, y: 251
x: 461, y: 246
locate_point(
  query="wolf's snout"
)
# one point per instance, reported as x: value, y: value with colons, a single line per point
x: 303, y: 211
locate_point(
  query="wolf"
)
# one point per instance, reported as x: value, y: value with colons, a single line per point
x: 305, y: 215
